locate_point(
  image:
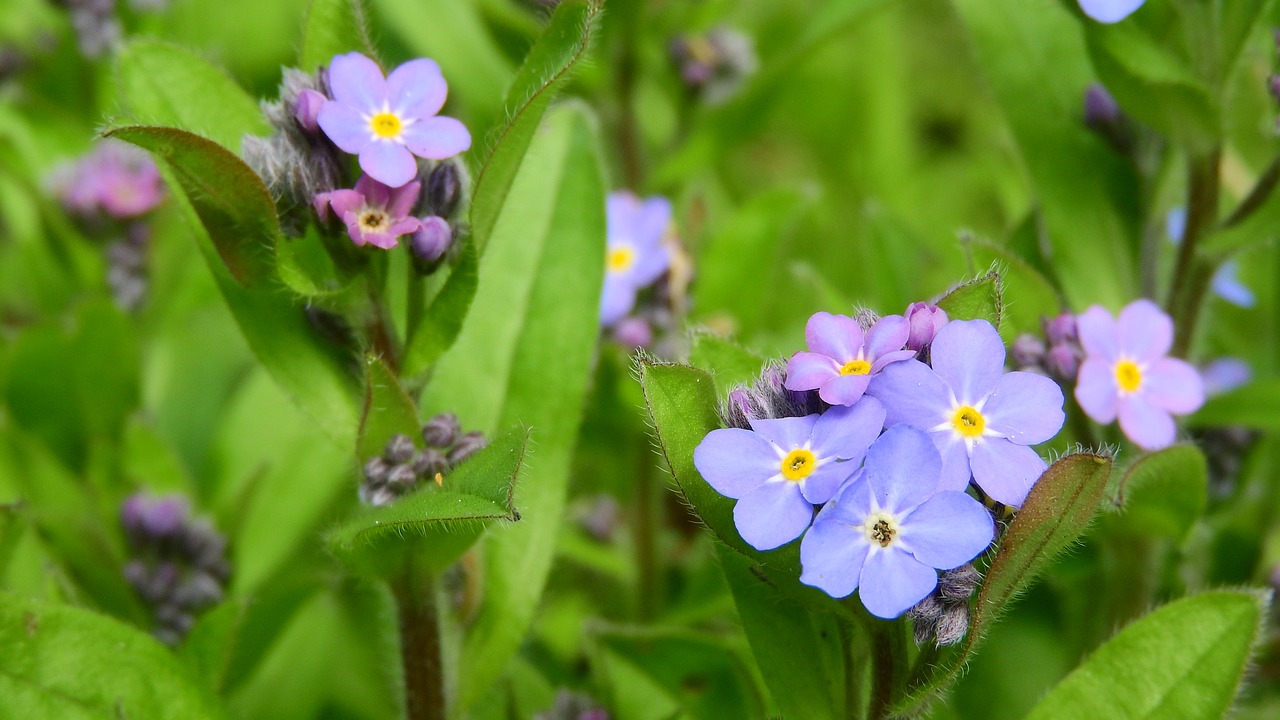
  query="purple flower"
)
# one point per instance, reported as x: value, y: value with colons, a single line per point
x: 1224, y: 375
x: 388, y: 121
x: 374, y: 213
x: 114, y: 179
x: 635, y: 255
x: 890, y: 529
x: 926, y: 320
x: 842, y: 360
x: 1110, y: 11
x: 779, y: 469
x: 1125, y: 373
x: 432, y: 238
x: 981, y: 418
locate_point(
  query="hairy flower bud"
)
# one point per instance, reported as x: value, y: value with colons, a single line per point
x: 306, y: 107
x: 429, y: 462
x: 441, y: 431
x: 467, y: 445
x: 443, y: 190
x: 1027, y: 352
x: 399, y: 449
x: 432, y: 239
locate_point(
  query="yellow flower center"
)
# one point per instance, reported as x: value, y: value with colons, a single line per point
x: 856, y: 367
x: 798, y: 465
x: 620, y: 259
x: 385, y: 125
x: 968, y: 422
x: 1128, y: 375
x: 374, y: 221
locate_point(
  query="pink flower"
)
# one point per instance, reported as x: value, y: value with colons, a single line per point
x: 374, y: 213
x: 114, y: 179
x: 1125, y: 373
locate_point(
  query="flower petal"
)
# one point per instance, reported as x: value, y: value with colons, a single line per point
x: 416, y: 89
x: 1096, y: 390
x: 1006, y: 471
x: 903, y: 468
x: 344, y: 125
x: 1025, y: 408
x: 1098, y: 334
x: 969, y: 357
x: 827, y: 479
x: 772, y: 515
x: 887, y: 335
x: 787, y: 433
x: 808, y: 371
x: 649, y: 265
x: 652, y: 220
x: 400, y: 201
x: 389, y: 163
x: 892, y: 582
x: 896, y: 356
x: 616, y: 300
x: 912, y: 393
x: 956, y: 472
x: 344, y: 201
x: 1146, y: 332
x: 1149, y: 427
x: 735, y: 461
x: 621, y: 209
x: 357, y: 81
x: 1173, y: 385
x: 847, y: 432
x: 832, y: 553
x: 1109, y: 11
x: 1227, y: 285
x: 839, y: 337
x: 948, y: 530
x: 437, y: 138
x: 844, y: 389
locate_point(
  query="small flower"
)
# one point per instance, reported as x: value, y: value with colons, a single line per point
x: 374, y: 213
x: 388, y: 121
x: 115, y: 179
x: 635, y: 255
x: 780, y: 469
x: 1125, y: 373
x: 981, y: 418
x: 842, y: 360
x: 889, y: 529
x: 925, y: 320
x: 633, y: 332
x: 1110, y: 11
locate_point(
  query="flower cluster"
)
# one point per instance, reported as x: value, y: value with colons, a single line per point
x: 640, y: 249
x: 179, y: 564
x: 402, y: 467
x: 882, y: 445
x: 409, y: 187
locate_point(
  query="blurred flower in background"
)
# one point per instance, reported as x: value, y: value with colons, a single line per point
x: 1110, y: 11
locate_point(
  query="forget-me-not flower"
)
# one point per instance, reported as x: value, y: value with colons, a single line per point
x: 981, y: 418
x: 373, y: 213
x: 890, y: 529
x: 1110, y: 11
x: 386, y: 121
x: 842, y: 359
x: 780, y: 468
x: 635, y: 255
x: 1125, y: 373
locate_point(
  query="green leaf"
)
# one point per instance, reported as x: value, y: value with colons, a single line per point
x: 229, y: 642
x: 233, y: 204
x: 449, y: 518
x: 545, y: 72
x: 445, y: 314
x: 163, y: 84
x: 1255, y: 406
x: 1036, y: 296
x: 729, y: 363
x: 979, y: 299
x: 59, y: 661
x: 388, y: 410
x: 235, y: 225
x: 333, y: 27
x: 1185, y: 660
x: 106, y: 373
x: 1165, y: 492
x: 1056, y: 513
x: 524, y: 356
x: 798, y: 651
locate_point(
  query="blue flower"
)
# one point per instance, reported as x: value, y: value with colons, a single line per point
x: 1226, y: 281
x: 635, y: 255
x: 1110, y: 11
x: 779, y: 469
x: 889, y: 529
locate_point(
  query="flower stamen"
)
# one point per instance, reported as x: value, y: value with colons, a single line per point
x: 1128, y: 376
x: 386, y: 125
x: 620, y: 259
x: 968, y: 421
x: 856, y: 367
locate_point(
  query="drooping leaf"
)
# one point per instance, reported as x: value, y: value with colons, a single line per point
x: 60, y: 661
x: 979, y: 299
x: 449, y: 517
x: 163, y: 84
x: 523, y: 357
x: 1183, y: 661
x: 545, y: 72
x: 333, y: 27
x: 1164, y: 492
x: 1056, y: 512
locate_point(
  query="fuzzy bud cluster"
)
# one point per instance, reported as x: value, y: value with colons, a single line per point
x: 1058, y: 354
x: 179, y: 565
x: 127, y: 266
x: 766, y: 399
x: 943, y: 616
x: 402, y: 467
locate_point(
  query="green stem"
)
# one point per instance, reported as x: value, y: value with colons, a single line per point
x: 415, y: 595
x: 1257, y: 196
x: 888, y: 668
x: 1202, y: 214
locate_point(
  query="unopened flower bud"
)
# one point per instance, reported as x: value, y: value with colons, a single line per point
x: 402, y: 477
x: 1062, y: 361
x: 376, y: 496
x: 306, y: 108
x: 200, y: 590
x: 165, y: 516
x: 958, y: 584
x: 444, y: 190
x: 432, y: 239
x: 441, y: 431
x: 429, y: 462
x: 926, y: 320
x: 399, y: 450
x: 952, y: 625
x: 633, y: 332
x: 1060, y: 329
x: 467, y: 445
x: 1027, y: 351
x: 376, y: 471
x: 1103, y: 116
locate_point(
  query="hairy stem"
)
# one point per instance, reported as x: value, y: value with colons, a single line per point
x: 415, y: 594
x: 889, y: 660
